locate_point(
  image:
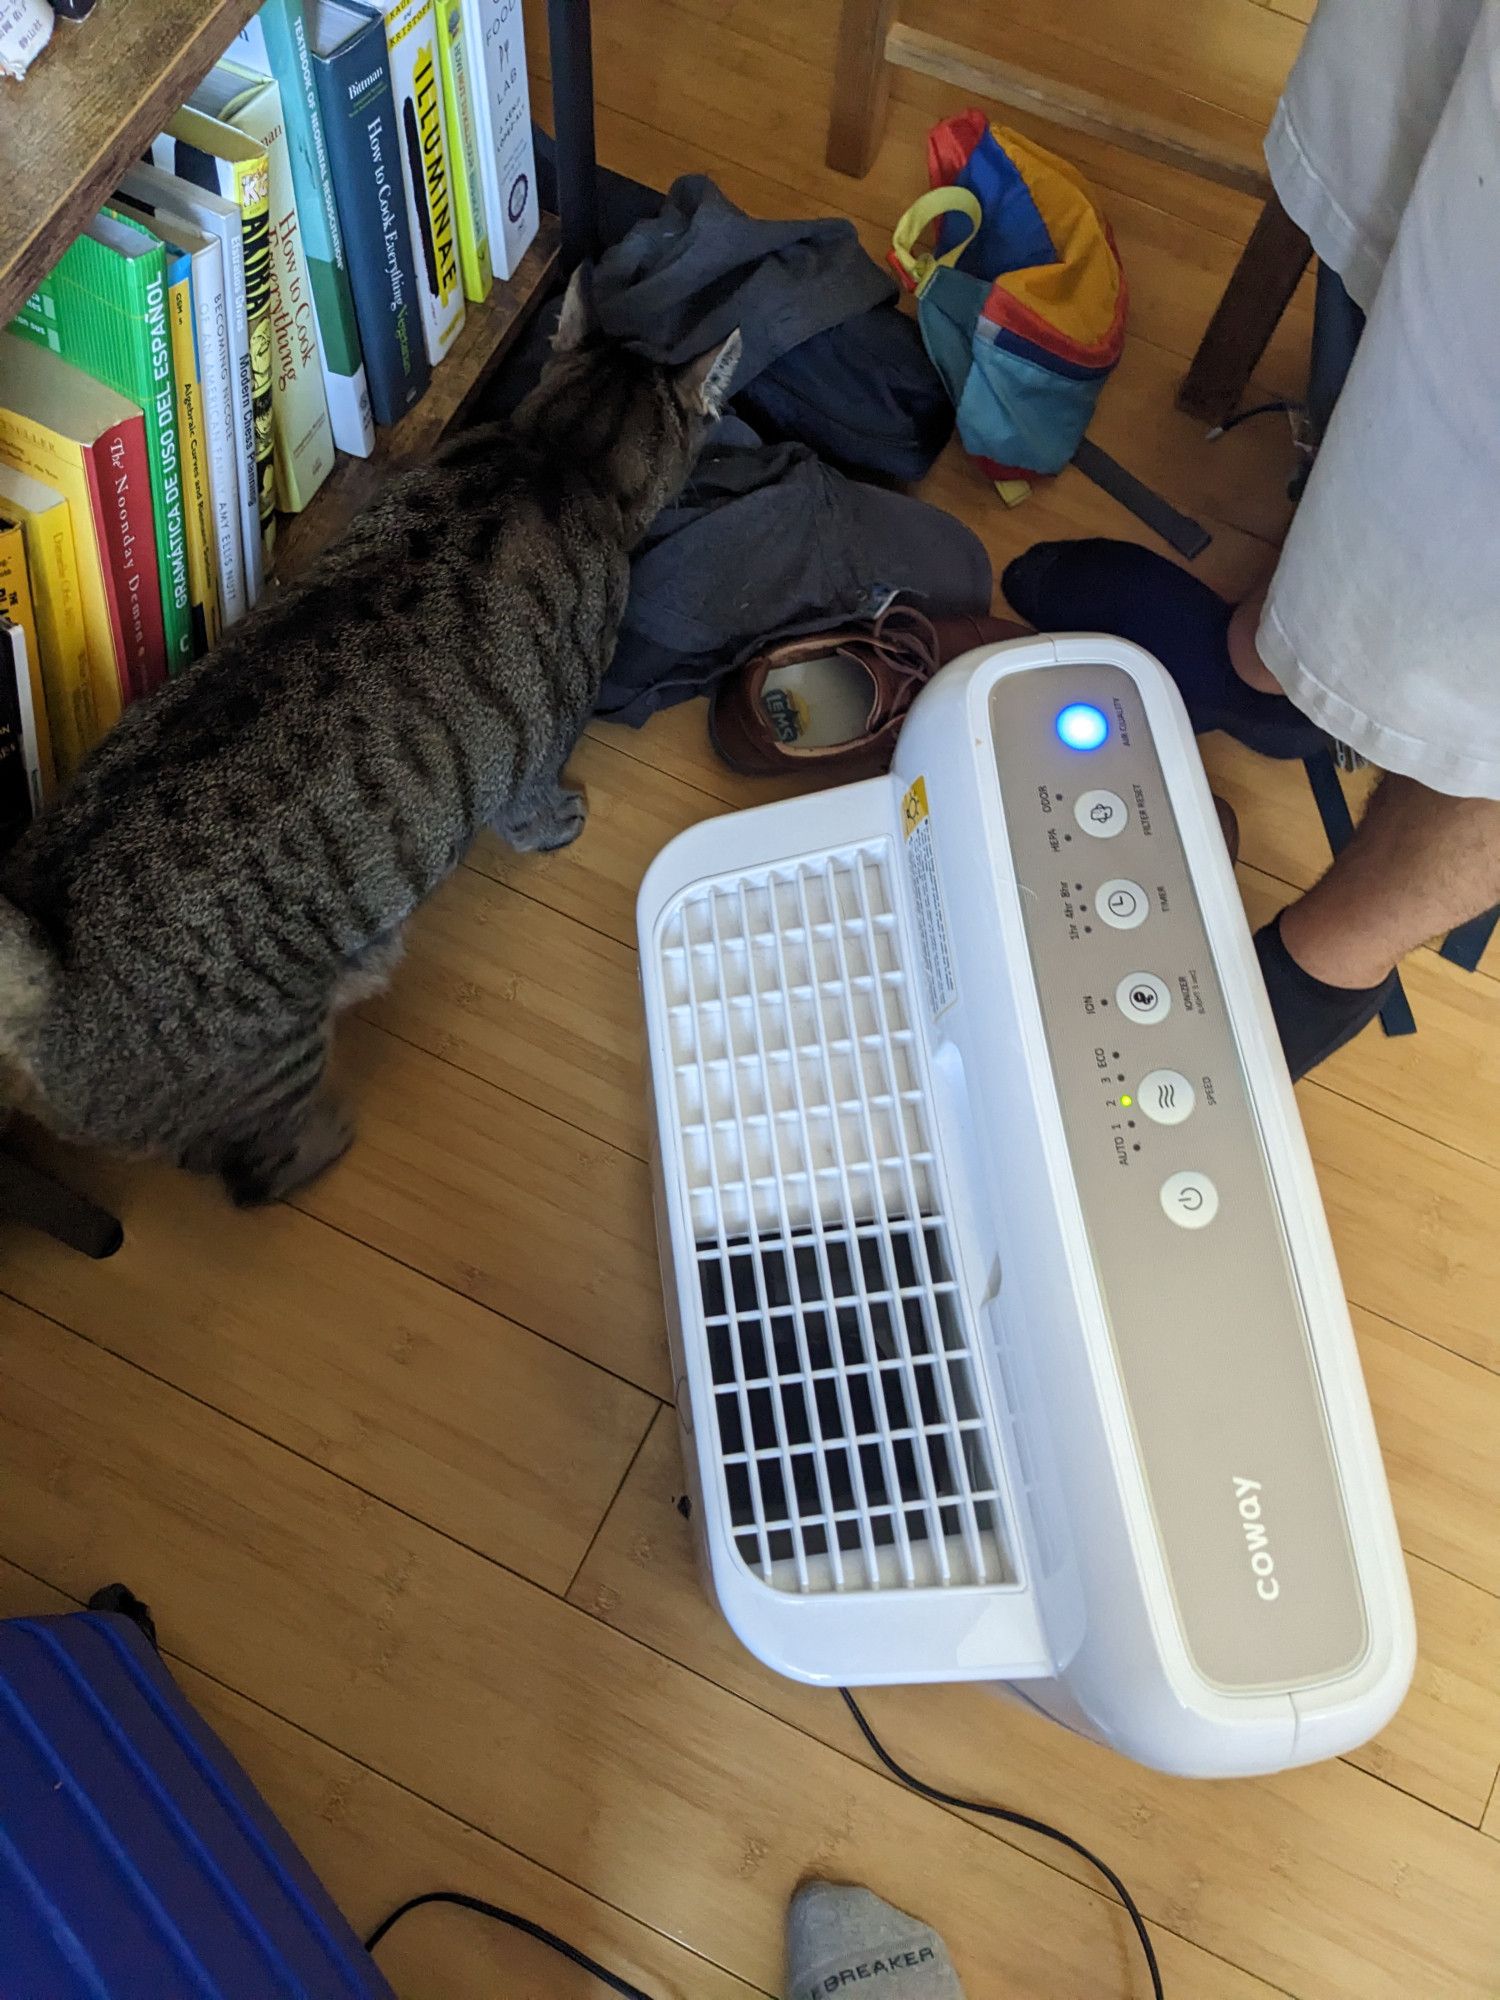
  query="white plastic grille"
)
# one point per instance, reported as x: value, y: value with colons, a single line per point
x: 854, y: 1454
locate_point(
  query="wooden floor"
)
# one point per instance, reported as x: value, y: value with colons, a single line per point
x: 392, y: 1463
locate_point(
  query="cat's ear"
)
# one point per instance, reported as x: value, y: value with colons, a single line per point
x: 704, y: 384
x: 576, y: 320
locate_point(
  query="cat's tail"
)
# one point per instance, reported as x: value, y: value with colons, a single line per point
x: 28, y: 981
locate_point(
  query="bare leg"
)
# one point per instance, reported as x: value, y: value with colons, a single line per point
x: 1243, y: 654
x: 1419, y: 863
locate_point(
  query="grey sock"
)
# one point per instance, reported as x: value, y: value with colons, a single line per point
x: 842, y: 1938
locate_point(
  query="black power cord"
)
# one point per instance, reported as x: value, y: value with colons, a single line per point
x: 580, y: 1958
x: 1010, y: 1818
x: 628, y: 1992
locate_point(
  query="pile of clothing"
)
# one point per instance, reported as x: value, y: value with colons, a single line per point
x: 783, y: 531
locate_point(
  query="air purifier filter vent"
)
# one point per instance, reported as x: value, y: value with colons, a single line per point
x: 854, y: 1451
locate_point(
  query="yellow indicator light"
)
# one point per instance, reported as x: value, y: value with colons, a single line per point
x: 1127, y: 1102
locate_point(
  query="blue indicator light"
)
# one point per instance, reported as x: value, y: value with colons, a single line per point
x: 1082, y: 726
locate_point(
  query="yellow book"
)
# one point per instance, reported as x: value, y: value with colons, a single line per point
x: 213, y: 155
x: 39, y: 446
x: 456, y: 61
x: 15, y: 604
x: 197, y: 507
x: 47, y: 526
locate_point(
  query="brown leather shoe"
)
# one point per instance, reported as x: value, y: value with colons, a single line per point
x: 834, y: 701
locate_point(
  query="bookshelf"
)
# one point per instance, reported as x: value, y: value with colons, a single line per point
x: 94, y: 98
x: 105, y: 86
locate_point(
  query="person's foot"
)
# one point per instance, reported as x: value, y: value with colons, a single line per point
x: 1135, y: 594
x: 1313, y: 1018
x: 838, y: 1935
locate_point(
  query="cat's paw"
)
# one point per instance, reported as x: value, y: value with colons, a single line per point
x: 555, y: 824
x: 564, y: 821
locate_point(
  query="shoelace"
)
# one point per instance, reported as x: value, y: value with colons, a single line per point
x: 904, y: 643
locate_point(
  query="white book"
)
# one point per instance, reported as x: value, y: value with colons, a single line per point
x: 149, y: 191
x: 502, y: 107
x: 19, y: 668
x: 411, y: 38
x: 299, y: 406
x: 220, y: 218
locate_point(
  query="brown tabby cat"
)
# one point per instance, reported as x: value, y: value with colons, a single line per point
x: 236, y: 861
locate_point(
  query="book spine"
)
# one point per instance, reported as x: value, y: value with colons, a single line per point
x: 215, y: 359
x: 120, y: 474
x: 31, y: 448
x: 249, y: 333
x: 507, y: 161
x: 463, y: 151
x: 299, y: 409
x: 16, y: 605
x: 17, y: 807
x: 61, y: 639
x: 359, y: 124
x: 242, y: 394
x: 197, y: 511
x: 411, y: 33
x: 107, y: 314
x: 252, y: 189
x: 284, y: 30
x: 160, y: 411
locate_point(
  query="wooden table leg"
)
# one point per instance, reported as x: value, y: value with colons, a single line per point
x: 1248, y: 314
x: 861, y: 84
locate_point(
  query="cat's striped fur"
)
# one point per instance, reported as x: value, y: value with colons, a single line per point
x: 238, y: 858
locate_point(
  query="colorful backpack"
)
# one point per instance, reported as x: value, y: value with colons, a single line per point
x: 1022, y: 304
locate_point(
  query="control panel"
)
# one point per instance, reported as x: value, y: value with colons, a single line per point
x: 1182, y: 1214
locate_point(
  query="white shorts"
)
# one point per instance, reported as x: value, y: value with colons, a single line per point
x: 1383, y: 618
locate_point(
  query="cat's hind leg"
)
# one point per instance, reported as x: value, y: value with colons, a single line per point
x: 541, y: 823
x: 286, y: 1127
x: 368, y: 972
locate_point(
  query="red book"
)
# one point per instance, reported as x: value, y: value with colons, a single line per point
x: 120, y: 487
x: 59, y: 423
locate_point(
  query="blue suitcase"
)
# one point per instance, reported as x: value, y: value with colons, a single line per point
x: 137, y: 1861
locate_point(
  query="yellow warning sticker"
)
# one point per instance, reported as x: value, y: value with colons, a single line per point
x: 914, y: 806
x: 927, y: 899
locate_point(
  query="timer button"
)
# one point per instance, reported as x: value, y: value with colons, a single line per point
x: 1122, y: 905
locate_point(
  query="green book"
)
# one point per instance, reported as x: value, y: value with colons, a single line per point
x: 103, y: 307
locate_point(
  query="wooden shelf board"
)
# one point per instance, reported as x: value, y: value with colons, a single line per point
x: 489, y: 330
x: 93, y: 100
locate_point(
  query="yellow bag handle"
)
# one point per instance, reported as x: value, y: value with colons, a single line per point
x: 914, y: 266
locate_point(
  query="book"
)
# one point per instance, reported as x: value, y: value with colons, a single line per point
x: 20, y: 770
x: 455, y: 61
x: 195, y: 264
x: 45, y: 519
x: 301, y: 432
x: 502, y: 116
x: 411, y: 38
x: 274, y: 43
x: 103, y: 306
x: 352, y: 72
x: 224, y: 362
x: 81, y: 436
x: 222, y: 159
x: 192, y: 448
x: 25, y: 30
x: 16, y: 605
